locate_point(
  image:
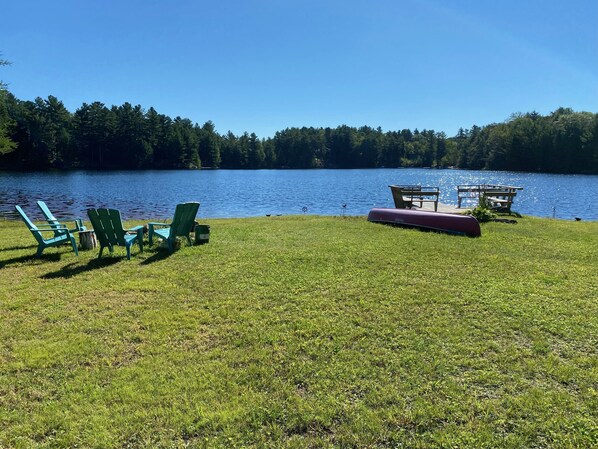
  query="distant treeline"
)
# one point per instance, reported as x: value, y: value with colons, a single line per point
x: 43, y: 134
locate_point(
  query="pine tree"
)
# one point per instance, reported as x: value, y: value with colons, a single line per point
x: 6, y: 144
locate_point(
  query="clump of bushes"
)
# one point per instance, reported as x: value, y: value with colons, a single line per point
x: 483, y: 212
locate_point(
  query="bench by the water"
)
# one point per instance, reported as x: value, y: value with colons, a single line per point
x: 405, y: 195
x: 498, y: 196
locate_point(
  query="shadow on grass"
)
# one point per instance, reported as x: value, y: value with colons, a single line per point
x: 16, y: 248
x: 160, y: 254
x: 74, y: 269
x: 29, y: 258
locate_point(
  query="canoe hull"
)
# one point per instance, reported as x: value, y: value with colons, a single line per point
x: 451, y: 223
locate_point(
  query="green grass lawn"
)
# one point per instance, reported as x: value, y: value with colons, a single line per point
x: 305, y: 332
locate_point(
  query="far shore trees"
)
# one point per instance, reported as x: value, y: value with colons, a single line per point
x: 43, y: 134
x: 6, y: 144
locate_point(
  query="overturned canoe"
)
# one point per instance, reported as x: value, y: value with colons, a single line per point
x: 451, y: 223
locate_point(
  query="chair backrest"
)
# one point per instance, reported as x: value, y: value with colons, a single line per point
x: 108, y: 226
x: 184, y: 217
x: 397, y: 196
x: 34, y: 230
x: 49, y: 216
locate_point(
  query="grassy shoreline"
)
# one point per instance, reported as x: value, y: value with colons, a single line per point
x: 305, y: 331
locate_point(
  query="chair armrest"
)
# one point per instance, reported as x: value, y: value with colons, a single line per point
x: 60, y: 227
x: 156, y: 223
x: 79, y: 225
x: 67, y: 233
x: 151, y: 225
x: 137, y: 230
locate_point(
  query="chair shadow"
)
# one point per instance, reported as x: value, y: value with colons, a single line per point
x: 159, y: 254
x: 74, y: 269
x: 16, y: 248
x: 54, y: 257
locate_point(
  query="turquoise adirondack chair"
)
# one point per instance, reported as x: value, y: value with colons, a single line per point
x: 53, y: 221
x: 43, y: 243
x: 109, y: 230
x: 181, y: 225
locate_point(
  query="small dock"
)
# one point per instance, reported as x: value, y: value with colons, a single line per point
x: 417, y: 197
x: 444, y: 208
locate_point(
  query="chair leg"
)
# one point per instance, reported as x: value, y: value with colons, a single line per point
x: 40, y: 250
x: 74, y: 243
x: 128, y: 252
x: 101, y: 249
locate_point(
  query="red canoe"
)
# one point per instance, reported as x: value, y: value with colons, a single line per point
x: 451, y: 223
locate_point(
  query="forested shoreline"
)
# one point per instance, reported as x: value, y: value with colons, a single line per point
x: 42, y: 134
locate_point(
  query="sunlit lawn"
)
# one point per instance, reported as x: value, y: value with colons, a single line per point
x: 305, y: 332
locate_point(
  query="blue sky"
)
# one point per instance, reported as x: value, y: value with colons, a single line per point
x: 264, y: 65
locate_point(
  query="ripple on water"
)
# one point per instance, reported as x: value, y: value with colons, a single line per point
x: 242, y: 193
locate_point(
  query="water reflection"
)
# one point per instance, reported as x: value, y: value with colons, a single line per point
x: 242, y: 193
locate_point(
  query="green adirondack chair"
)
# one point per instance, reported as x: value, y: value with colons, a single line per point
x: 43, y: 243
x: 53, y: 221
x: 181, y: 225
x: 109, y: 230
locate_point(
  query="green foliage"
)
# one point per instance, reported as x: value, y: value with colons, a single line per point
x: 128, y: 137
x: 209, y: 145
x: 562, y: 142
x: 6, y: 123
x: 483, y: 212
x: 295, y: 332
x: 3, y: 62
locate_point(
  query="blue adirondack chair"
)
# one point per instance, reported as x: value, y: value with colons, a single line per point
x: 43, y: 243
x: 181, y: 225
x: 109, y: 230
x: 53, y: 221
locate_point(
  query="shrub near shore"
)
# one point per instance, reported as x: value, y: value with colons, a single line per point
x: 305, y: 332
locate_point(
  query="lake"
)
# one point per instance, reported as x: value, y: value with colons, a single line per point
x: 244, y: 193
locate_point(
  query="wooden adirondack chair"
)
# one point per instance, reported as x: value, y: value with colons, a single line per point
x: 182, y: 223
x: 42, y: 243
x: 109, y: 230
x: 53, y: 221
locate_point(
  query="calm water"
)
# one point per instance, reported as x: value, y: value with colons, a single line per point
x: 243, y: 193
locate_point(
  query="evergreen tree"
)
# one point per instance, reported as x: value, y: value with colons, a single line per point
x: 186, y: 144
x: 6, y: 124
x: 93, y: 132
x: 130, y: 147
x: 270, y: 160
x: 256, y: 155
x: 6, y: 144
x: 209, y: 145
